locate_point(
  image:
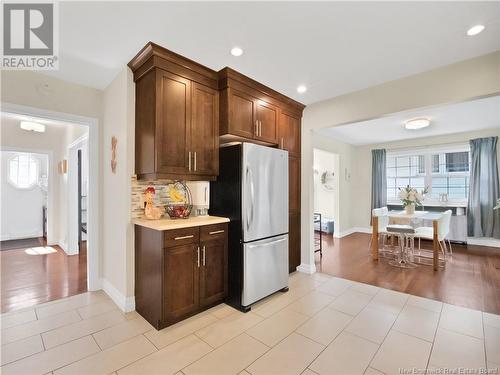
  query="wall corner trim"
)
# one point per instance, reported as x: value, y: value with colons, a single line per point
x: 126, y: 304
x: 307, y: 268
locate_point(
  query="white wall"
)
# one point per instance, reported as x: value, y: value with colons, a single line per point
x: 117, y: 234
x: 55, y: 139
x: 21, y: 209
x: 326, y: 201
x: 363, y: 159
x: 458, y: 82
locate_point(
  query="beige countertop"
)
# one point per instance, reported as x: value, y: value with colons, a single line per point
x: 167, y: 223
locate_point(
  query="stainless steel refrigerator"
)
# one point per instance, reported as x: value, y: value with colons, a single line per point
x: 252, y: 190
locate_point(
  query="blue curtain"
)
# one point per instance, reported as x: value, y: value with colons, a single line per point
x: 482, y: 220
x: 379, y: 179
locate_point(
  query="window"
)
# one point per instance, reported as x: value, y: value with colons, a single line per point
x: 23, y: 171
x: 444, y: 171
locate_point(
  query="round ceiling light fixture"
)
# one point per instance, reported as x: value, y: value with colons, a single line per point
x: 417, y: 123
x: 474, y: 30
x: 236, y: 51
x: 301, y: 89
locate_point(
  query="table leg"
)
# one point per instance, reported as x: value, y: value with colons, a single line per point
x: 375, y: 238
x: 435, y: 245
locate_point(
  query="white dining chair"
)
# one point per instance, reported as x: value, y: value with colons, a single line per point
x: 383, y: 221
x: 443, y: 231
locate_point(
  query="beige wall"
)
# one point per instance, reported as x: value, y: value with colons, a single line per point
x: 458, y: 82
x: 117, y: 234
x: 361, y: 193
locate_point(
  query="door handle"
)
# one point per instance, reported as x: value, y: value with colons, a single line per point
x: 282, y: 144
x: 189, y: 160
x: 195, y: 160
x: 198, y: 255
x: 256, y: 131
x: 260, y: 128
x: 268, y: 243
x: 183, y: 237
x: 204, y: 257
x: 249, y: 183
x: 216, y: 232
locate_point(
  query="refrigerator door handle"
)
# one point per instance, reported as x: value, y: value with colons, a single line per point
x: 268, y: 243
x: 249, y: 214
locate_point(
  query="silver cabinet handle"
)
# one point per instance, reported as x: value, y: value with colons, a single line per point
x: 260, y: 128
x: 198, y: 254
x: 257, y: 128
x: 195, y: 160
x: 189, y: 159
x: 216, y: 232
x: 204, y: 257
x: 282, y: 144
x: 183, y: 237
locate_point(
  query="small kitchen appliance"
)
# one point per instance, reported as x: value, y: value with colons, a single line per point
x: 200, y: 192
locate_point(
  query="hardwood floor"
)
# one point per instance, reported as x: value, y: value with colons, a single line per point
x: 471, y: 278
x: 28, y: 280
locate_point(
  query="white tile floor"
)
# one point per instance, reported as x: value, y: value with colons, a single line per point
x: 323, y: 325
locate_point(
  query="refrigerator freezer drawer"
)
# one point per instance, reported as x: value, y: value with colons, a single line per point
x: 265, y: 268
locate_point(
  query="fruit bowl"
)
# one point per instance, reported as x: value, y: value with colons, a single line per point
x: 178, y: 211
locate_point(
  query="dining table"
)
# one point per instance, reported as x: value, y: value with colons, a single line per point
x: 403, y: 216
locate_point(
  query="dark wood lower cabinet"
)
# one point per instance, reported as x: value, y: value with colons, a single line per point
x: 179, y: 272
x: 180, y: 269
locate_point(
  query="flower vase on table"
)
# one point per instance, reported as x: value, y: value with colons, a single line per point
x: 411, y: 197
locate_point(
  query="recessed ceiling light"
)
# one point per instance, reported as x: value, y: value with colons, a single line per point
x: 236, y: 51
x: 474, y: 30
x: 32, y: 126
x: 417, y: 123
x: 301, y: 89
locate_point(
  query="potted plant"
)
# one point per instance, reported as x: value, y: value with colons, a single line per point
x: 411, y: 197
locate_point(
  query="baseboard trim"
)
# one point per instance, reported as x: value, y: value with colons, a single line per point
x: 352, y: 230
x: 483, y: 241
x: 307, y: 268
x: 21, y: 236
x: 126, y: 304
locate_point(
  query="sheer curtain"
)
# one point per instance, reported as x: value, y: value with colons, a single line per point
x: 482, y: 220
x: 379, y: 179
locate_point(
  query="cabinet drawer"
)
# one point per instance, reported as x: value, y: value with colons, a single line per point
x: 213, y: 232
x: 183, y: 236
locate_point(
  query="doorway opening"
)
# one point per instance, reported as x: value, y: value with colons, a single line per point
x: 326, y: 198
x: 45, y: 174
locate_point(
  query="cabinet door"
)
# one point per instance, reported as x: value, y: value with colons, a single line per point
x: 267, y: 117
x: 173, y: 119
x: 293, y: 184
x: 213, y: 272
x: 289, y: 133
x: 181, y: 282
x: 241, y: 119
x: 205, y: 130
x: 293, y: 240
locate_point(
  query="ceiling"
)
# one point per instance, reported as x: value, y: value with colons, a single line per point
x: 14, y: 119
x: 455, y: 118
x: 331, y: 47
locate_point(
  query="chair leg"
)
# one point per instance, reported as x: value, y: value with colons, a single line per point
x: 450, y: 250
x: 443, y: 249
x: 418, y: 243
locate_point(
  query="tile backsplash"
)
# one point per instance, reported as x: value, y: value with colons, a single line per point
x: 138, y: 187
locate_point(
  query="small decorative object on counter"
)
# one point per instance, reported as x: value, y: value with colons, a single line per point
x: 410, y: 198
x: 151, y: 212
x: 180, y: 201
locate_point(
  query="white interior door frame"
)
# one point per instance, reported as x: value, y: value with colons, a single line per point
x: 72, y: 211
x: 51, y: 178
x: 93, y: 239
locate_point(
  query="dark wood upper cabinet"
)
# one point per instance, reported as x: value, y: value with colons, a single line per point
x: 204, y: 130
x: 289, y: 132
x: 173, y: 123
x: 177, y: 116
x: 238, y: 114
x: 267, y: 121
